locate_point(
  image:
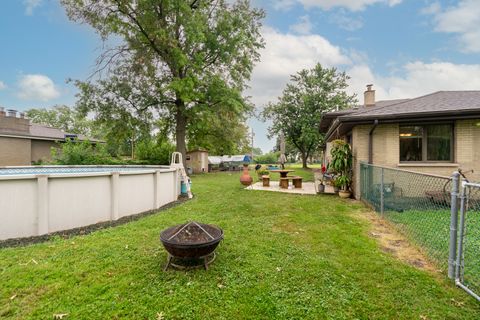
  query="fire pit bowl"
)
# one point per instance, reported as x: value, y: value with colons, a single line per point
x: 191, y: 241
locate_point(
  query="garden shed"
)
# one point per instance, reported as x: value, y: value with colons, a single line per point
x: 197, y: 160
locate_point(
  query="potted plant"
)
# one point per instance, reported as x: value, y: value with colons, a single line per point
x: 321, y: 187
x: 262, y: 172
x: 341, y: 163
x: 336, y: 185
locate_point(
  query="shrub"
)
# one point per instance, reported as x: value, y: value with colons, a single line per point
x: 267, y: 158
x: 154, y: 152
x: 75, y: 152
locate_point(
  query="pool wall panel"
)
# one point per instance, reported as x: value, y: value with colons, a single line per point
x: 135, y: 194
x: 77, y: 202
x: 18, y: 208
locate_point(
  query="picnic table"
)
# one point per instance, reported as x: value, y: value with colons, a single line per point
x: 283, y: 173
x: 297, y: 181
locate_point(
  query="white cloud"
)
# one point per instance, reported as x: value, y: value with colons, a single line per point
x: 283, y: 4
x: 37, y: 87
x: 304, y: 26
x: 353, y: 5
x: 30, y: 6
x: 286, y: 54
x: 419, y: 78
x: 2, y: 85
x: 345, y: 21
x: 463, y: 20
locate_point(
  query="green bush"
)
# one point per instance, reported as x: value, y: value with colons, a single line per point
x: 75, y: 152
x: 267, y: 158
x: 154, y: 152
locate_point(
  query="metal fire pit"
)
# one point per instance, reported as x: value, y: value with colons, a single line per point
x: 191, y: 244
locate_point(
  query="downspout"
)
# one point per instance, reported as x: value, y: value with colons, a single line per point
x: 370, y: 142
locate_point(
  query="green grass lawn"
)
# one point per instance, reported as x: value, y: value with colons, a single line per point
x: 284, y: 256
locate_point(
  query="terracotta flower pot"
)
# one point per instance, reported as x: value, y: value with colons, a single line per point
x: 245, y: 178
x: 344, y: 194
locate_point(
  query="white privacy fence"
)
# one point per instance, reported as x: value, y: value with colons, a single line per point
x: 32, y: 205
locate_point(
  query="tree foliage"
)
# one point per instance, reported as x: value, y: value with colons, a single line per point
x: 220, y: 134
x: 75, y: 152
x: 62, y: 117
x: 155, y: 151
x: 268, y: 158
x: 309, y: 95
x: 179, y: 60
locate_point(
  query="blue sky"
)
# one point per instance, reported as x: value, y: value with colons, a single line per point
x: 406, y: 48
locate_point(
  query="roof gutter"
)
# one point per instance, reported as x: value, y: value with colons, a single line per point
x: 370, y: 141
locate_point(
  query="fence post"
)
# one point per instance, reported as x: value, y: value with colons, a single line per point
x: 42, y: 205
x: 463, y: 209
x: 382, y: 193
x: 115, y: 181
x: 453, y: 225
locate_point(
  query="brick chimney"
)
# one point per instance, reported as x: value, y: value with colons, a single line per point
x: 369, y: 96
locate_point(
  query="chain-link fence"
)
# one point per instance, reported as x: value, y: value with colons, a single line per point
x: 425, y: 208
x: 468, y: 258
x: 417, y: 204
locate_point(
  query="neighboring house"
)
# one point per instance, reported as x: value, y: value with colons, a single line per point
x: 197, y: 160
x: 23, y: 143
x: 437, y: 133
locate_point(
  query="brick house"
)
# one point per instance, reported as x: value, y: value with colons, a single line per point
x: 437, y: 133
x: 23, y: 143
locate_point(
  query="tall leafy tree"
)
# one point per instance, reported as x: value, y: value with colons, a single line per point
x: 221, y: 133
x: 183, y: 56
x: 297, y: 114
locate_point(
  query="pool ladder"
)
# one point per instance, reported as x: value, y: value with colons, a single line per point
x: 177, y: 162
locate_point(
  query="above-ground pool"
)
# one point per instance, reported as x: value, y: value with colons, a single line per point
x: 39, y: 200
x: 73, y: 169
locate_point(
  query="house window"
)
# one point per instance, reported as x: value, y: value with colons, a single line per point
x: 426, y: 143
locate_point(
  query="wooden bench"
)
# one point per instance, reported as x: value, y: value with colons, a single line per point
x: 266, y: 181
x: 296, y: 181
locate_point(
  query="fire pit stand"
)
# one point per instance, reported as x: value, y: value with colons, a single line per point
x: 192, y: 263
x: 191, y: 245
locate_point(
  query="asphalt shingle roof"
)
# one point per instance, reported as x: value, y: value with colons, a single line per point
x: 438, y: 102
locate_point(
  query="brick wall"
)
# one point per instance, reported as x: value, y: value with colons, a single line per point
x: 15, y: 151
x: 41, y: 149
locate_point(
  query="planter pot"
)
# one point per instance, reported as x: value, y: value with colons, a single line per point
x: 344, y: 194
x: 321, y: 188
x: 245, y: 178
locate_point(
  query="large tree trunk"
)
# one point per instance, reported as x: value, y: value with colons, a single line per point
x: 181, y: 129
x: 304, y: 160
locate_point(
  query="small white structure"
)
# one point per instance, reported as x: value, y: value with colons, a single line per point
x: 33, y: 204
x: 197, y: 160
